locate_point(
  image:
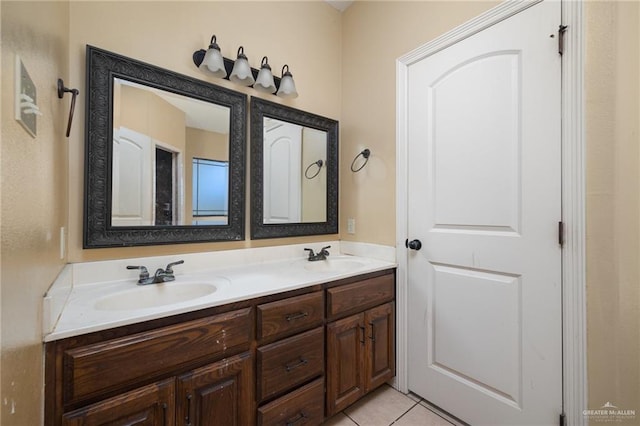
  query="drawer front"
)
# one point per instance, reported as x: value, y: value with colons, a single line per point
x: 359, y: 296
x: 290, y: 362
x: 92, y: 369
x: 303, y: 406
x: 293, y: 315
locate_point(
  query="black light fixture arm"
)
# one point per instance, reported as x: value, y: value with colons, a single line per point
x: 74, y: 93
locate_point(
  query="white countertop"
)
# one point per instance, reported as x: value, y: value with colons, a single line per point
x: 75, y: 308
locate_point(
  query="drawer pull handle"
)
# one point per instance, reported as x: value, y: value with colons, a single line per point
x: 187, y: 420
x: 363, y: 333
x: 373, y: 332
x: 164, y: 414
x: 301, y: 416
x: 300, y: 363
x: 298, y: 315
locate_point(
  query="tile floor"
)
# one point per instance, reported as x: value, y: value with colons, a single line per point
x: 385, y: 407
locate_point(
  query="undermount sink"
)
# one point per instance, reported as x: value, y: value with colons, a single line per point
x: 338, y: 264
x: 155, y: 295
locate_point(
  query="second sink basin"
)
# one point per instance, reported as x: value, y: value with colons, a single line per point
x: 336, y: 264
x: 154, y: 295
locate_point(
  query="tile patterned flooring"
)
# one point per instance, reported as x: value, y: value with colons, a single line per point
x: 386, y: 406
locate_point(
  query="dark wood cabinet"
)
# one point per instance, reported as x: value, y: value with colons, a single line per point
x: 218, y: 394
x: 345, y: 355
x: 291, y: 358
x: 151, y: 405
x: 380, y: 362
x: 360, y: 346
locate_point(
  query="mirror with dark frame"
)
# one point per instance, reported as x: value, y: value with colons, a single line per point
x: 165, y: 156
x: 294, y: 172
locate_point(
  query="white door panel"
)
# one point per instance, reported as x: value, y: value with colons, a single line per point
x: 283, y: 179
x: 132, y: 184
x: 484, y: 198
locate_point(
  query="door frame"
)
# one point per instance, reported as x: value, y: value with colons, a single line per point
x: 574, y: 363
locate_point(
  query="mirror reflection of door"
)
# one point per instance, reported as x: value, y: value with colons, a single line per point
x: 295, y: 186
x: 157, y: 137
x: 282, y: 172
x: 132, y: 185
x: 146, y: 183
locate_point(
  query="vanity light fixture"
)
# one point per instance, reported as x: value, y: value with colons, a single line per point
x: 264, y: 82
x: 241, y: 73
x: 213, y: 61
x: 287, y: 88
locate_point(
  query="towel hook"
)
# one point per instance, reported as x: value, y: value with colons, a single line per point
x: 74, y: 92
x: 318, y: 163
x: 365, y: 153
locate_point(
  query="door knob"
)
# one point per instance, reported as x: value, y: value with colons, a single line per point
x: 413, y: 244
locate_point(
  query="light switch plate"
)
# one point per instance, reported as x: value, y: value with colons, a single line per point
x: 25, y: 93
x: 351, y: 226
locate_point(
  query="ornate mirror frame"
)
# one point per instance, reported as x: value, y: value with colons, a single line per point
x: 101, y: 69
x: 260, y: 109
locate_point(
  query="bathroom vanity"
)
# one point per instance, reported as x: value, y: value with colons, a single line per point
x: 284, y: 358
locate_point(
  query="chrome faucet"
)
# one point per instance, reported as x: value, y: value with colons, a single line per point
x: 161, y: 275
x: 321, y: 255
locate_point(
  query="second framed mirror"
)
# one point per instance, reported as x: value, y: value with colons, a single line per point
x: 294, y: 172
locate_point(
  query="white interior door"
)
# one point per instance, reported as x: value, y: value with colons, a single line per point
x: 132, y: 184
x: 282, y: 173
x: 484, y: 291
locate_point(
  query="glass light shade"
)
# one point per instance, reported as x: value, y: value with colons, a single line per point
x: 214, y: 63
x: 241, y: 73
x: 264, y: 83
x: 287, y: 87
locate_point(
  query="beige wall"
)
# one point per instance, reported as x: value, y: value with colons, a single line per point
x: 305, y: 35
x: 375, y: 34
x: 149, y: 114
x: 613, y: 204
x: 34, y: 198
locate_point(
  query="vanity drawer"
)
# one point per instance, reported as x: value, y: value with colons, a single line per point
x: 93, y: 369
x: 302, y: 406
x: 359, y: 296
x: 286, y: 317
x: 289, y: 362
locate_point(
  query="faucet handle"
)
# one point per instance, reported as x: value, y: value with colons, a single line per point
x: 144, y: 273
x: 325, y: 251
x: 169, y: 268
x: 311, y: 253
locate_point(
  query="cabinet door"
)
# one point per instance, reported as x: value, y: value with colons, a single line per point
x: 379, y: 354
x: 151, y: 405
x: 345, y: 362
x: 218, y: 394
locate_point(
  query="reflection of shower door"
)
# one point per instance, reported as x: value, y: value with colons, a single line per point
x: 132, y: 185
x: 282, y: 174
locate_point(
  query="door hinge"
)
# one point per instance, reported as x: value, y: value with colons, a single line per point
x: 561, y: 30
x: 563, y: 419
x: 561, y: 234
